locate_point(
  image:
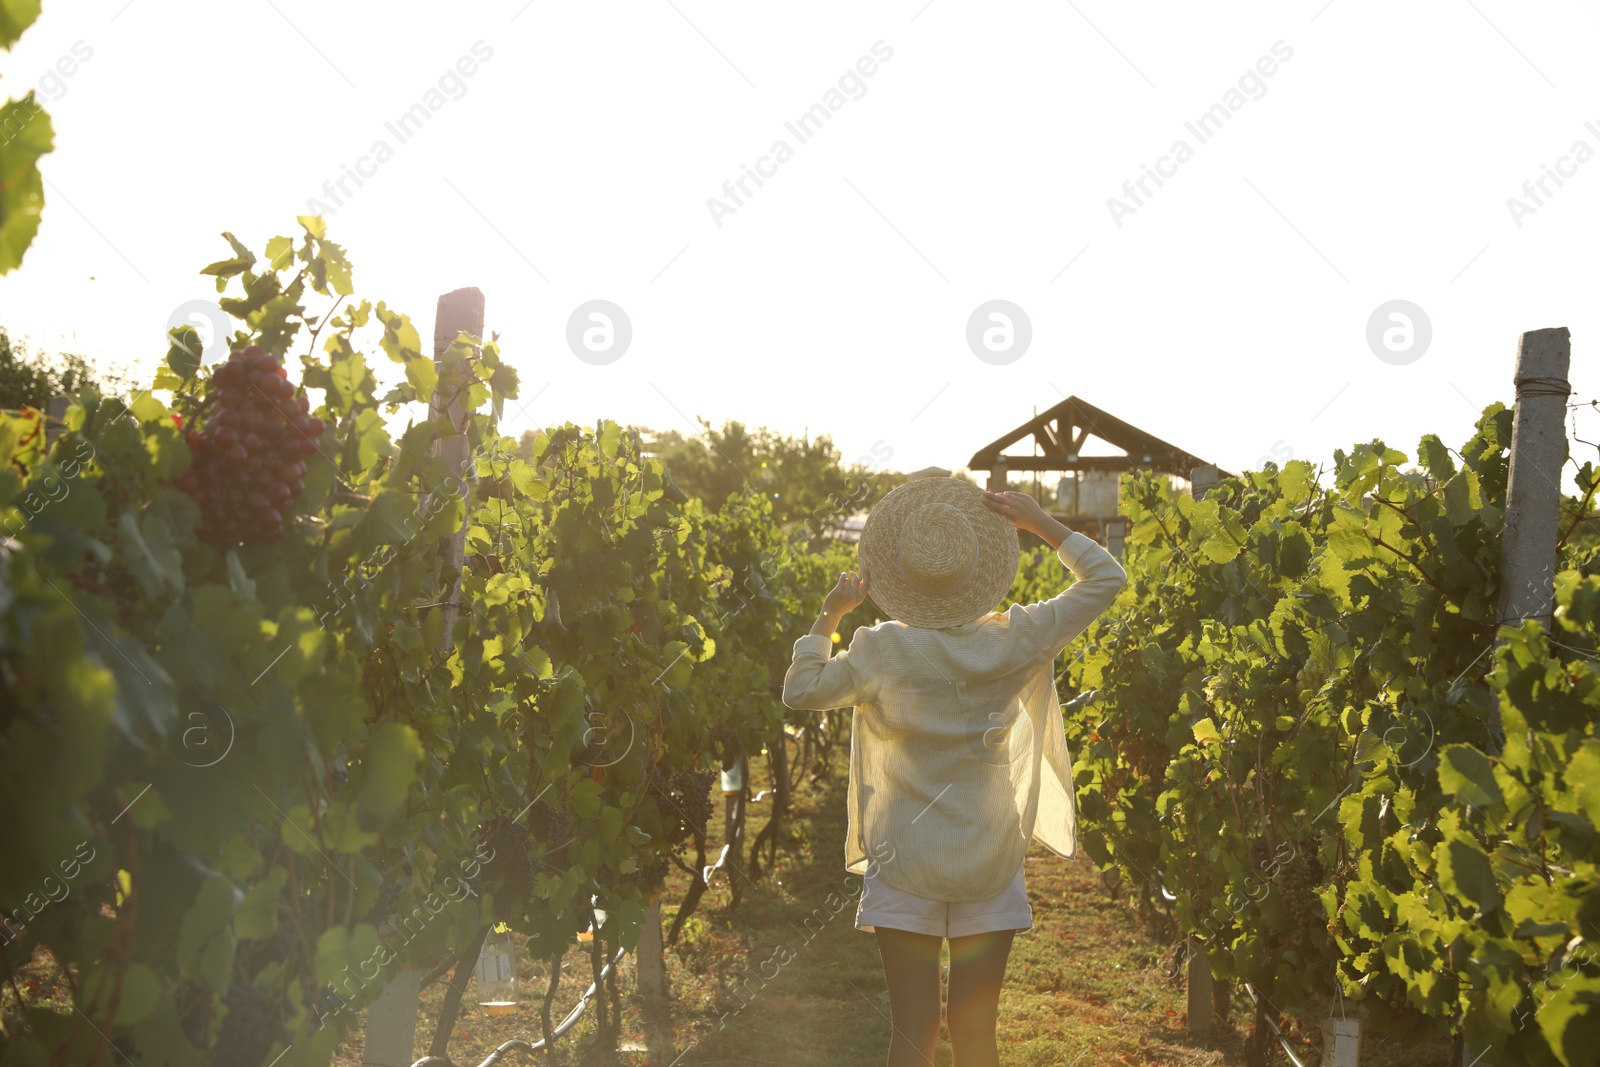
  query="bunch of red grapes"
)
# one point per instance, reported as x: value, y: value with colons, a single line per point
x: 249, y: 453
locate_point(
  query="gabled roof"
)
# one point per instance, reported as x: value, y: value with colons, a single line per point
x: 1060, y: 434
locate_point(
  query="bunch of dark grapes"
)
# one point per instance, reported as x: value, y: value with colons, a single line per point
x: 512, y: 870
x: 248, y: 453
x: 257, y: 953
x: 652, y: 871
x: 388, y: 897
x: 249, y: 1028
x: 686, y: 798
x: 547, y: 825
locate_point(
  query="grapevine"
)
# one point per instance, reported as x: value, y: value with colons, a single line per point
x: 274, y: 589
x: 1370, y: 598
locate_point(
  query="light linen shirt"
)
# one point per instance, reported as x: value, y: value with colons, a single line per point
x: 958, y: 755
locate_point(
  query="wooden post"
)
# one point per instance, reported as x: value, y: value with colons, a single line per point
x: 1203, y: 479
x: 651, y: 974
x: 997, y: 476
x: 1199, y: 989
x: 1533, y: 487
x: 450, y: 1007
x: 771, y: 835
x: 1221, y: 998
x: 458, y: 312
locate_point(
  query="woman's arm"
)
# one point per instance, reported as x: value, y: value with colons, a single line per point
x: 841, y: 600
x: 816, y: 682
x: 1025, y: 513
x: 1054, y: 622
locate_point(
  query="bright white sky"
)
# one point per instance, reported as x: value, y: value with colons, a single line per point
x: 1227, y: 315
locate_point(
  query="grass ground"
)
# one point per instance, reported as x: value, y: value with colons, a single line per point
x: 1087, y: 986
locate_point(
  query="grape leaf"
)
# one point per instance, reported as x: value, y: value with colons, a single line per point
x: 1466, y: 772
x: 257, y: 915
x: 1464, y: 870
x: 392, y: 754
x: 21, y: 184
x: 16, y: 16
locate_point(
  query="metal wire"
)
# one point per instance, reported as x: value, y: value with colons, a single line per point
x: 1282, y: 1041
x: 518, y: 1045
x: 1536, y: 386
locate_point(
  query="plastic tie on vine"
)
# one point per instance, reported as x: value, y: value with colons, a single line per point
x: 722, y: 859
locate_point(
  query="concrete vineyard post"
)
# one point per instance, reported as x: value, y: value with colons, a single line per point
x: 1198, y: 981
x: 1116, y: 537
x: 651, y: 975
x: 458, y: 312
x: 56, y: 411
x: 1533, y: 486
x: 391, y: 1022
x: 1533, y: 498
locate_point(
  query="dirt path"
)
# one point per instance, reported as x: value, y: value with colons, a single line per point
x: 787, y: 979
x: 1083, y: 987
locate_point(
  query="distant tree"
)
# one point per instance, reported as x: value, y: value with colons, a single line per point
x: 806, y: 478
x: 809, y: 485
x: 30, y: 379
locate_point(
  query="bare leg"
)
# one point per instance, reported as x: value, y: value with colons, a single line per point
x: 911, y: 967
x: 977, y: 967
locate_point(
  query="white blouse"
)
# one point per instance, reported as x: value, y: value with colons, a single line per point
x: 958, y: 756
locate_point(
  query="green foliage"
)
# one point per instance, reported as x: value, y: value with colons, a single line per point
x: 808, y: 484
x: 1289, y: 736
x: 16, y: 16
x: 246, y: 783
x: 25, y: 134
x: 29, y: 379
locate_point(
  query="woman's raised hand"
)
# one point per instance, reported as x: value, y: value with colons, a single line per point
x: 1021, y: 509
x: 847, y: 595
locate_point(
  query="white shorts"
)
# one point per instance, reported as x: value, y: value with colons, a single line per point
x: 883, y: 905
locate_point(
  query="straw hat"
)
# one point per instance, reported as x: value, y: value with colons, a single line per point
x: 936, y: 554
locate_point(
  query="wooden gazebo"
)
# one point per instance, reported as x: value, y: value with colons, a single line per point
x: 1053, y: 440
